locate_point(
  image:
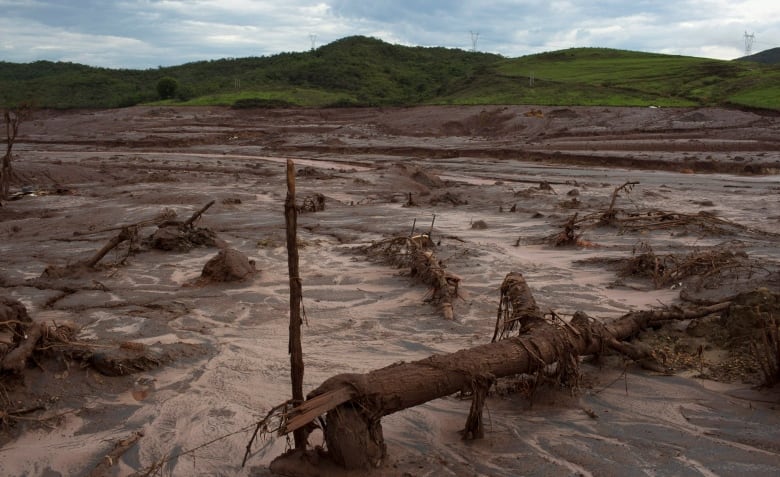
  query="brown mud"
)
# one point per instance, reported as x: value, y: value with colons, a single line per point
x: 499, y: 182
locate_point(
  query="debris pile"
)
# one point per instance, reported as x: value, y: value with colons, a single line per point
x: 416, y: 253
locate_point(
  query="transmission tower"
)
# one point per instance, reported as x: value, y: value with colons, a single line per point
x: 474, y: 39
x: 749, y: 38
x: 313, y: 39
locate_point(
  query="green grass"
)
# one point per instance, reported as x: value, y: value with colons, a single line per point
x: 364, y: 71
x: 767, y: 97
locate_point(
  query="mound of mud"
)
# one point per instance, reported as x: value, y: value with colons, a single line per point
x: 229, y: 265
x: 745, y: 318
x: 420, y: 175
x: 449, y: 198
x: 564, y: 113
x: 132, y: 358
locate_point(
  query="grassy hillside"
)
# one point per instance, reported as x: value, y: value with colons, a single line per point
x: 617, y: 77
x: 358, y: 71
x: 770, y: 56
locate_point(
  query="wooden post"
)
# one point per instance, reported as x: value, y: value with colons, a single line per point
x: 296, y: 295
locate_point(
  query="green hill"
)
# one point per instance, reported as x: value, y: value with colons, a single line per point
x: 360, y: 71
x: 769, y: 57
x: 599, y: 76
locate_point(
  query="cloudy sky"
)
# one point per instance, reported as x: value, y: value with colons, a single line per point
x: 151, y: 33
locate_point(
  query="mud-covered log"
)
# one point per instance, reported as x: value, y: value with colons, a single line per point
x: 53, y: 271
x: 404, y: 385
x: 416, y: 252
x: 429, y: 269
x: 105, y: 467
x: 127, y: 233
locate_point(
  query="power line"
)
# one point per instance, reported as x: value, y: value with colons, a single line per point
x: 749, y: 39
x: 474, y: 39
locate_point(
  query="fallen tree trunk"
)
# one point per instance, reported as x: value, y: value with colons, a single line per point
x: 403, y: 385
x: 431, y: 271
x: 416, y: 252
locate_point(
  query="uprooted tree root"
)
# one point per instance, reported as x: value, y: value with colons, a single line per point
x: 416, y: 253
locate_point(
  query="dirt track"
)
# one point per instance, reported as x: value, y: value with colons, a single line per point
x: 95, y: 170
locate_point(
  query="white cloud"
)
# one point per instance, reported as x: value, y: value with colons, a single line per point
x: 147, y: 33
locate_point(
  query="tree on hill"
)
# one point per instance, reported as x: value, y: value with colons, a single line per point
x: 167, y: 87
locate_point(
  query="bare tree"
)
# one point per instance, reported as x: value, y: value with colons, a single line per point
x: 13, y: 118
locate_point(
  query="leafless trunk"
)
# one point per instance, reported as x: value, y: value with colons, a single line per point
x: 296, y: 295
x: 12, y: 121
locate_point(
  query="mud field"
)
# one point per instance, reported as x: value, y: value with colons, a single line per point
x: 494, y: 186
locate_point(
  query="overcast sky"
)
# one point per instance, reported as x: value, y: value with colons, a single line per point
x: 151, y: 33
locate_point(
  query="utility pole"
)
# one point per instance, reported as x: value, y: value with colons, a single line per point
x: 474, y: 39
x: 531, y: 80
x: 749, y: 38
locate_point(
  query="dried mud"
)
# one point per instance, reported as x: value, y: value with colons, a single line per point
x: 499, y: 181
